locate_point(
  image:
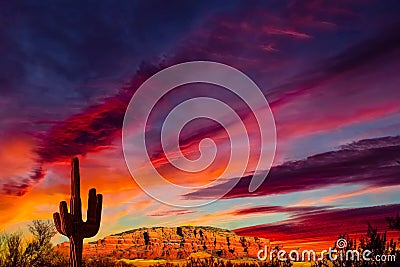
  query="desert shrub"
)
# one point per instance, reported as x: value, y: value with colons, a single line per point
x: 14, y: 251
x: 38, y: 251
x: 57, y: 259
x: 394, y: 222
x: 215, y: 262
x: 11, y: 249
x: 3, y: 249
x: 374, y: 241
x: 104, y: 262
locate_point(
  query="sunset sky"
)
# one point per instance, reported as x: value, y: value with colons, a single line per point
x: 329, y: 70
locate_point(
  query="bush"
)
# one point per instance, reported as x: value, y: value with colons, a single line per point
x: 36, y: 252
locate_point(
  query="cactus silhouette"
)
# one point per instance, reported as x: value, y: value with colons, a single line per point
x: 71, y: 224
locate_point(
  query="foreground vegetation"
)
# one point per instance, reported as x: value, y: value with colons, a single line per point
x: 37, y: 251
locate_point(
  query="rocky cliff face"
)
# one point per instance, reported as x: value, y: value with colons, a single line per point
x: 175, y: 243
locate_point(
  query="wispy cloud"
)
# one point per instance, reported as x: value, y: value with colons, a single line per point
x: 372, y: 162
x: 170, y: 213
x: 276, y: 209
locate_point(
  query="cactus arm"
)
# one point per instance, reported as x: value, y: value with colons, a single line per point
x: 66, y: 219
x: 92, y: 224
x: 57, y: 223
x: 99, y: 208
x: 92, y: 203
x: 89, y: 230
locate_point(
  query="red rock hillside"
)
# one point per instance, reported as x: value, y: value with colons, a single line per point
x: 173, y: 243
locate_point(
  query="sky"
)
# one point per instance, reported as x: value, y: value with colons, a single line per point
x: 329, y: 70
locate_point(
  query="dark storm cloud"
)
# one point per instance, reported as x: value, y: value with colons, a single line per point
x: 62, y: 60
x: 60, y: 57
x: 97, y: 125
x: 372, y: 162
x: 324, y: 225
x: 52, y: 47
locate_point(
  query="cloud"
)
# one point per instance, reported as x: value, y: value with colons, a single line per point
x: 171, y: 213
x: 61, y: 63
x: 16, y: 189
x: 322, y: 227
x: 19, y: 188
x: 287, y: 32
x: 371, y: 162
x: 97, y: 125
x: 94, y: 126
x: 357, y: 59
x: 274, y: 209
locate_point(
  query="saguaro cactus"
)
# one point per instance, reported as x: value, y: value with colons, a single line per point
x: 71, y: 224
